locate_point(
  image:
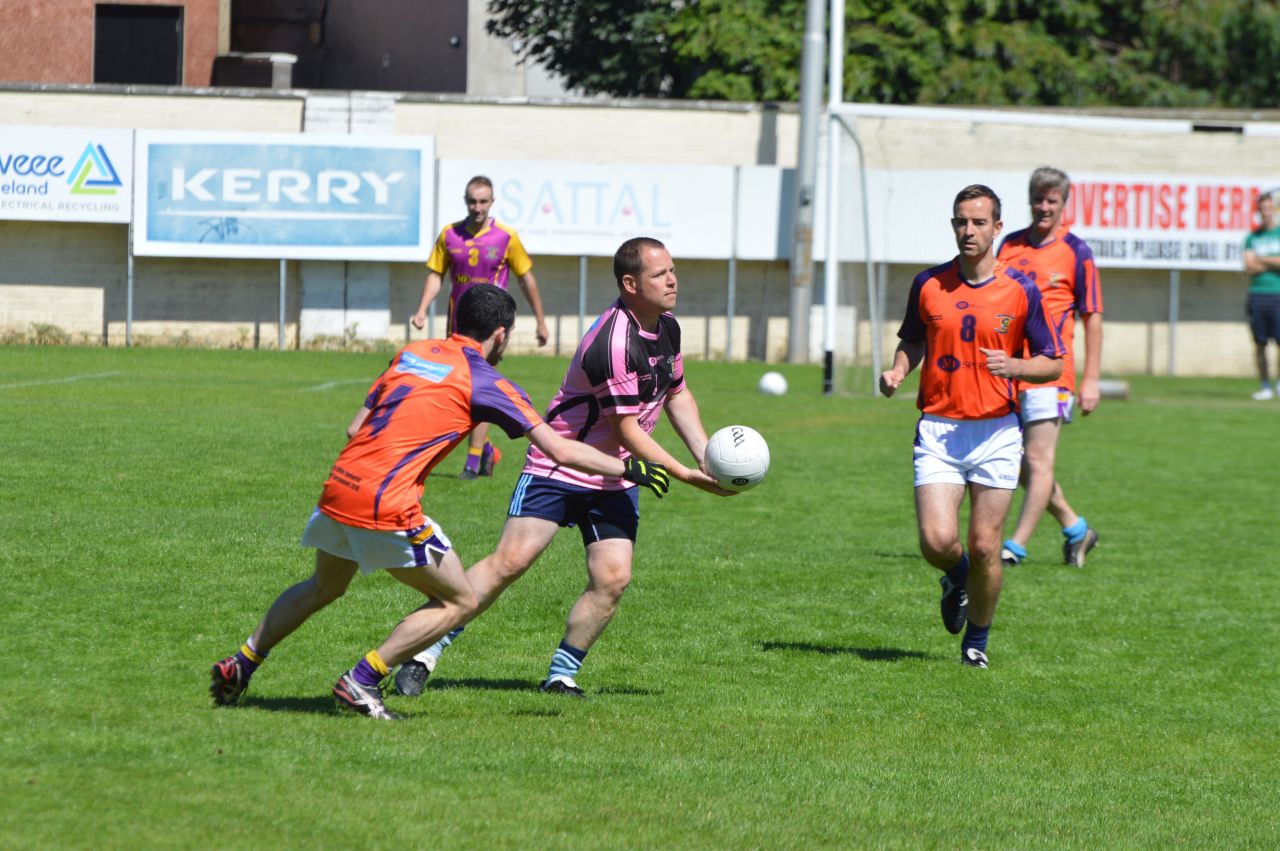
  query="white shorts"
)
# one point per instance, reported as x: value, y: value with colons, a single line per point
x: 1045, y: 403
x: 985, y: 452
x: 375, y: 549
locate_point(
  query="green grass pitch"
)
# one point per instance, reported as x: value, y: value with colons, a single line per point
x: 776, y: 677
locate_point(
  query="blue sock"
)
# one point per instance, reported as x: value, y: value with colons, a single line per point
x: 566, y: 661
x: 1076, y: 531
x: 959, y: 574
x: 975, y: 637
x: 1014, y: 547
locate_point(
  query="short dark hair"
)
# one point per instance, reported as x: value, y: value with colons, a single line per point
x: 1045, y: 178
x: 978, y: 190
x: 480, y: 180
x: 483, y: 309
x: 626, y: 260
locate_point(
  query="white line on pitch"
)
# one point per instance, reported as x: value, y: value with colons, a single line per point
x: 329, y: 385
x: 67, y: 380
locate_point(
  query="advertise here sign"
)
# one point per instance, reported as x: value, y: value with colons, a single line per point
x: 589, y: 210
x: 66, y: 174
x: 1139, y: 222
x: 1164, y: 222
x: 285, y: 196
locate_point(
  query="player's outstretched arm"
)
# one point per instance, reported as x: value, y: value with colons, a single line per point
x: 639, y: 443
x: 588, y: 459
x: 430, y: 288
x: 529, y: 285
x: 905, y: 358
x: 682, y: 408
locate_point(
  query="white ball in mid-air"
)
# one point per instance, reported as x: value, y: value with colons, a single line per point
x: 737, y: 457
x: 773, y: 384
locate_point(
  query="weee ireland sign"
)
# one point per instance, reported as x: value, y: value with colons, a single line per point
x: 66, y: 174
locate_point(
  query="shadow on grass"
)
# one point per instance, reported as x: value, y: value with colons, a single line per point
x: 870, y: 654
x: 526, y: 685
x: 483, y: 684
x: 320, y: 705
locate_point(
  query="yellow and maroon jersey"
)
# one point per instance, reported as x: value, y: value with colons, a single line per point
x: 484, y: 257
x: 429, y: 398
x: 1062, y: 268
x: 954, y: 319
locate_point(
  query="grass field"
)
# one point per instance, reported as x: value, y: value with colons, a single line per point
x: 776, y: 676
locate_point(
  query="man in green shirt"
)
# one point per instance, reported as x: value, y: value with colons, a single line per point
x: 1262, y: 263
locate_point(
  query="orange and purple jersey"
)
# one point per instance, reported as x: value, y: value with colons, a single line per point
x: 1062, y: 268
x: 484, y: 257
x: 954, y: 319
x: 619, y: 368
x: 428, y: 399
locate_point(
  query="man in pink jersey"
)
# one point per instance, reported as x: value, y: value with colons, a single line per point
x: 369, y: 516
x: 479, y: 250
x: 1062, y: 268
x: 969, y: 321
x: 627, y: 370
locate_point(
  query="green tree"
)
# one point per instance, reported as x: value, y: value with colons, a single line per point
x: 988, y: 52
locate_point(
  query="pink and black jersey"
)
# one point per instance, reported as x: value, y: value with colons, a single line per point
x: 619, y: 368
x: 483, y: 257
x: 428, y: 399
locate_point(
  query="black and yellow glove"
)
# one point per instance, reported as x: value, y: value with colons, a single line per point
x: 646, y: 475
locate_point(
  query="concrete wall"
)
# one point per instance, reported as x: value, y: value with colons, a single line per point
x: 75, y: 274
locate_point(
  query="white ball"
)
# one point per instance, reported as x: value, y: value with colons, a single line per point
x: 737, y: 457
x: 773, y: 384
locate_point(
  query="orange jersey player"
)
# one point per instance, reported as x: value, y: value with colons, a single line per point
x: 1062, y: 267
x: 968, y: 322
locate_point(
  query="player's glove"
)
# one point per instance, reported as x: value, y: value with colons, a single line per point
x: 647, y: 475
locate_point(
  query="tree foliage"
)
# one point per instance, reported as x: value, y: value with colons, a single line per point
x: 999, y: 52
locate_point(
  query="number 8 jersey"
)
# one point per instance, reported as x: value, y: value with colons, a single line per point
x: 955, y: 319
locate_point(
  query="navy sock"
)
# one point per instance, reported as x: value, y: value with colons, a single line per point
x: 959, y: 574
x: 975, y: 637
x: 566, y: 661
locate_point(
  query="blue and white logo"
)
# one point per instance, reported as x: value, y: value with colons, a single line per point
x: 428, y: 370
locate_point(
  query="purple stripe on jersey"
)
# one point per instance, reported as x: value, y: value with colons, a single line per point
x: 491, y: 404
x: 408, y: 457
x: 1042, y: 337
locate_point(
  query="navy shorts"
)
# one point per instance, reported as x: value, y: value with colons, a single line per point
x: 1264, y: 317
x: 599, y: 515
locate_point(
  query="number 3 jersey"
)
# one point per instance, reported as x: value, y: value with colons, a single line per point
x: 424, y: 404
x: 484, y: 257
x: 955, y: 319
x: 619, y: 368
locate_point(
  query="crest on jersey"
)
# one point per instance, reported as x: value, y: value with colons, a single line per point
x: 1057, y: 279
x: 1005, y: 319
x: 491, y: 253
